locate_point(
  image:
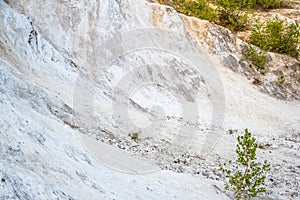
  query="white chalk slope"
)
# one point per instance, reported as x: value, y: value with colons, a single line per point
x: 48, y: 148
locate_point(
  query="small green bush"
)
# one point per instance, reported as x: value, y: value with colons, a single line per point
x: 135, y: 136
x: 252, y: 4
x: 277, y: 36
x: 228, y: 4
x: 199, y: 8
x: 225, y: 15
x: 268, y: 4
x: 233, y: 14
x: 281, y: 79
x: 258, y: 59
x: 233, y: 19
x: 245, y: 176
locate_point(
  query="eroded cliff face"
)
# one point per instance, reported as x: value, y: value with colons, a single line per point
x: 78, y: 78
x: 83, y: 25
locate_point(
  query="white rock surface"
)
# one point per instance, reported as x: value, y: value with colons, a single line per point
x: 56, y: 105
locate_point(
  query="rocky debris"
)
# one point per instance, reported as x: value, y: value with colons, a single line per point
x: 286, y: 184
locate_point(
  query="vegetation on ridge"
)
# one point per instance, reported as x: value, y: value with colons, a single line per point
x: 277, y: 36
x: 273, y: 35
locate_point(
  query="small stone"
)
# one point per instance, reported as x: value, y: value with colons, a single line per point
x: 149, y: 188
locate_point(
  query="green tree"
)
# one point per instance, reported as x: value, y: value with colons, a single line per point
x: 245, y: 177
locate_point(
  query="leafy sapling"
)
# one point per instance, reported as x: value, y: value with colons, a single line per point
x: 135, y: 136
x: 245, y: 176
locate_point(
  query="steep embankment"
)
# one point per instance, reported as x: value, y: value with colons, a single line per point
x: 78, y: 78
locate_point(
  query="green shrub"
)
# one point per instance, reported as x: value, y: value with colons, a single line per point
x: 199, y: 9
x: 226, y: 15
x: 233, y: 14
x: 252, y: 4
x: 233, y: 19
x: 268, y: 4
x: 277, y: 36
x: 257, y: 58
x: 230, y: 4
x: 245, y: 176
x: 135, y: 136
x: 281, y: 79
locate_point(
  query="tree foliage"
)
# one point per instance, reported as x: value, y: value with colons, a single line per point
x: 245, y: 176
